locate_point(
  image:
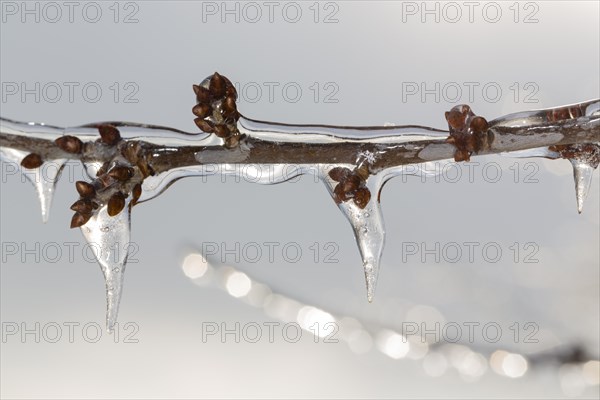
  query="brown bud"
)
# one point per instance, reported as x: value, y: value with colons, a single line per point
x: 85, y: 189
x: 116, y: 204
x: 479, y: 125
x: 229, y: 107
x: 202, y: 94
x: 205, y: 126
x: 462, y: 155
x: 217, y: 85
x: 105, y: 180
x: 109, y: 134
x: 32, y: 161
x: 457, y: 116
x: 363, y: 172
x: 339, y: 173
x: 351, y: 183
x: 121, y: 173
x: 131, y: 151
x: 145, y: 169
x: 230, y: 91
x: 202, y: 110
x: 362, y: 197
x: 339, y: 194
x: 83, y: 206
x: 102, y: 170
x: 229, y: 87
x: 222, y: 131
x: 79, y: 220
x: 69, y: 144
x: 232, y: 141
x: 136, y: 192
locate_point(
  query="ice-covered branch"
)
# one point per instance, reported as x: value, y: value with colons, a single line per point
x: 275, y: 143
x: 129, y: 163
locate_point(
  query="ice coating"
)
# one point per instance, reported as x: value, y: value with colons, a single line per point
x: 109, y: 237
x: 583, y: 164
x: 583, y: 117
x: 162, y: 136
x: 30, y: 129
x: 45, y: 177
x: 264, y: 174
x: 279, y: 132
x: 543, y: 152
x: 272, y: 153
x: 588, y: 108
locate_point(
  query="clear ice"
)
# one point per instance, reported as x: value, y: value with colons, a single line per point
x: 582, y: 172
x: 109, y: 236
x: 109, y: 239
x: 44, y: 179
x: 368, y: 227
x: 583, y: 169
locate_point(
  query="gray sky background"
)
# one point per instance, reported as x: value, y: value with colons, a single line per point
x: 364, y: 62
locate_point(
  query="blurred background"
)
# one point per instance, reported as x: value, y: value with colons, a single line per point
x: 489, y: 284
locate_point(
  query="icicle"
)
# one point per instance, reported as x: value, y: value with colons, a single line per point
x: 109, y: 238
x: 583, y: 173
x: 43, y: 178
x: 367, y: 223
x: 584, y: 158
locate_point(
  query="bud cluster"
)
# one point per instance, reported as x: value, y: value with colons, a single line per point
x: 216, y: 110
x: 468, y: 133
x: 351, y: 186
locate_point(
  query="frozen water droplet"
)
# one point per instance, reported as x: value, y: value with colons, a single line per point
x: 109, y: 239
x: 369, y: 229
x: 44, y: 178
x: 582, y: 173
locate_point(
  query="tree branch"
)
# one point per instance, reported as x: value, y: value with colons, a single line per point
x: 130, y: 162
x: 125, y: 154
